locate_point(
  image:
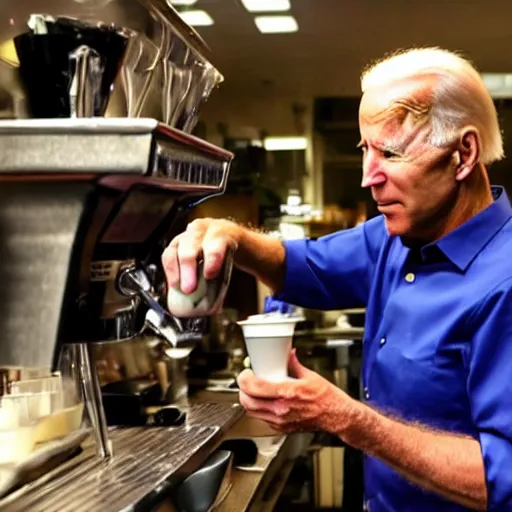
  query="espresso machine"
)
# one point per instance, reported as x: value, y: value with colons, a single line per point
x: 98, y: 171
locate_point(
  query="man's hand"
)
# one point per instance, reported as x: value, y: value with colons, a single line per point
x: 306, y: 403
x: 210, y: 237
x: 256, y: 253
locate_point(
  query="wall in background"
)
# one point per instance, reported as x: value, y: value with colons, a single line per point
x: 500, y: 173
x: 236, y: 116
x: 248, y: 117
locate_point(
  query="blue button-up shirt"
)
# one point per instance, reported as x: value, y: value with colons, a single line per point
x: 438, y: 336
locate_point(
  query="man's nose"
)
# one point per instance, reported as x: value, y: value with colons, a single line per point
x: 373, y: 175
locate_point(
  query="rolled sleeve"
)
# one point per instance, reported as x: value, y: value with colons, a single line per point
x: 490, y: 392
x: 335, y: 271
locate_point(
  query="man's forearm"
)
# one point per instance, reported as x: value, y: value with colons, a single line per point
x: 262, y: 256
x: 446, y: 464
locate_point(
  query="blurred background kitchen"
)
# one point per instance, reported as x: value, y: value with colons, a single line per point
x: 288, y: 106
x: 288, y: 110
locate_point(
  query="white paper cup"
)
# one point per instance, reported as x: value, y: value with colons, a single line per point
x: 268, y: 339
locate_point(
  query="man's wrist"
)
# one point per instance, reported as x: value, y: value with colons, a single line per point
x: 360, y: 424
x: 241, y: 239
x: 260, y: 255
x: 343, y: 414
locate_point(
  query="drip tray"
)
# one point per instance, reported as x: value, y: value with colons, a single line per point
x: 147, y: 462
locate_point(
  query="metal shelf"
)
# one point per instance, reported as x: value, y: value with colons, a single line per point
x: 100, y: 147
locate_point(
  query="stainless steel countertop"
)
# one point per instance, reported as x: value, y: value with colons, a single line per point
x: 147, y: 462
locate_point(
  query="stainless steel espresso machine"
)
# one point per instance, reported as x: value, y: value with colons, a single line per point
x: 98, y: 170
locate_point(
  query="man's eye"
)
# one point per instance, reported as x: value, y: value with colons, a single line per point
x: 388, y: 154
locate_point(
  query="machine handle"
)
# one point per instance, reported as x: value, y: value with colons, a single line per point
x: 135, y: 281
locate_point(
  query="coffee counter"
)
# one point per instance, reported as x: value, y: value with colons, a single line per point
x: 149, y: 461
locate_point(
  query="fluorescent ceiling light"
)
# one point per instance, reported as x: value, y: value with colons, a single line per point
x: 499, y: 85
x: 285, y: 143
x: 276, y: 24
x: 182, y: 2
x: 266, y: 5
x: 197, y: 18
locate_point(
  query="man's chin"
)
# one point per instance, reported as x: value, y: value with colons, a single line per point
x: 396, y: 227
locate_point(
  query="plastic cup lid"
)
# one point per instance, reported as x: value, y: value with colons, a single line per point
x: 271, y: 318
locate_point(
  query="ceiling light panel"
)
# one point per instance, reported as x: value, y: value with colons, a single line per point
x: 266, y: 5
x: 285, y: 143
x: 276, y: 24
x: 197, y: 18
x: 499, y: 85
x: 182, y: 2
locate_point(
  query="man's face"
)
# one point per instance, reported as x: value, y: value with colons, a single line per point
x: 412, y: 182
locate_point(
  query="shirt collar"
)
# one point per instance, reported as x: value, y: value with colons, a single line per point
x: 463, y: 244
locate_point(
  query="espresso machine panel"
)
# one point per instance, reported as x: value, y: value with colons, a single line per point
x: 70, y: 227
x: 98, y: 171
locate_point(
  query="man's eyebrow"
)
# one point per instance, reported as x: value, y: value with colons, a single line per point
x: 384, y: 146
x: 392, y: 147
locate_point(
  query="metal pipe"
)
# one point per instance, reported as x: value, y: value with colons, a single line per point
x: 93, y: 401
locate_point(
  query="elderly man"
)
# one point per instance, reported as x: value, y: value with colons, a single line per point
x: 435, y: 274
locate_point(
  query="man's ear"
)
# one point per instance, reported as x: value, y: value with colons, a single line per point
x: 468, y: 153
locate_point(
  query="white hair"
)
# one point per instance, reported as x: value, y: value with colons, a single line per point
x: 460, y: 98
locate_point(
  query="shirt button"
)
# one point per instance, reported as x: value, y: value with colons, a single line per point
x: 382, y: 341
x: 410, y: 277
x: 366, y: 394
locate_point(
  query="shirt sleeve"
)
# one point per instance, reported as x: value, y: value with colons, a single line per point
x: 335, y: 271
x: 490, y: 393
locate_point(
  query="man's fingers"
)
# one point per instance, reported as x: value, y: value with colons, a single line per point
x: 170, y: 263
x: 214, y: 253
x: 207, y: 237
x: 188, y: 272
x: 189, y: 249
x: 295, y: 367
x: 275, y: 407
x: 274, y: 413
x: 279, y: 424
x: 260, y: 388
x: 216, y: 247
x: 179, y: 261
x: 267, y: 417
